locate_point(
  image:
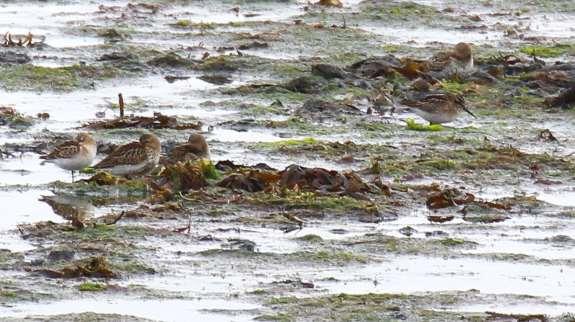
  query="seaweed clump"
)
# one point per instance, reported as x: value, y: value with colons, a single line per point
x: 97, y: 266
x: 157, y: 121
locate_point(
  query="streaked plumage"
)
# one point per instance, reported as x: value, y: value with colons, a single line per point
x: 458, y: 61
x: 421, y: 85
x: 437, y: 108
x: 73, y: 155
x: 133, y: 158
x: 70, y: 207
x: 195, y: 148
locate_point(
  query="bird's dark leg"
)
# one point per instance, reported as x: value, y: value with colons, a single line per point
x: 72, y: 176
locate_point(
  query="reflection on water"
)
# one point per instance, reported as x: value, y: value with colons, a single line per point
x: 70, y: 207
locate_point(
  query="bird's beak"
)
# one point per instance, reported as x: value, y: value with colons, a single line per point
x: 468, y: 111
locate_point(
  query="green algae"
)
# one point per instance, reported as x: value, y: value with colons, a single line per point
x: 183, y: 23
x: 299, y: 125
x: 222, y: 63
x: 31, y: 77
x: 208, y: 169
x: 310, y: 238
x: 548, y: 51
x: 451, y: 242
x: 8, y: 294
x: 311, y: 200
x: 385, y: 307
x: 104, y: 232
x: 454, y: 86
x: 380, y: 244
x: 131, y: 266
x: 11, y: 292
x: 201, y: 26
x: 258, y: 291
x: 256, y: 110
x: 393, y: 12
x: 91, y: 287
x: 326, y: 256
x: 339, y: 307
x: 412, y: 125
x: 171, y: 59
x: 486, y: 157
x: 280, y: 317
x: 323, y: 256
x: 14, y: 119
x: 407, y: 9
x: 292, y: 143
x: 83, y: 317
x: 267, y: 92
x: 330, y: 150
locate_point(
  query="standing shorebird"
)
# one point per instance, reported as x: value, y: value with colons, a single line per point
x: 135, y: 158
x: 458, y: 61
x: 195, y: 148
x: 73, y: 155
x: 437, y: 108
x: 71, y: 207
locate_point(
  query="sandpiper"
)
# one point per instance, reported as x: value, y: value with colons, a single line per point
x: 135, y: 158
x: 73, y: 155
x: 70, y: 207
x: 458, y: 61
x: 437, y: 108
x: 195, y: 148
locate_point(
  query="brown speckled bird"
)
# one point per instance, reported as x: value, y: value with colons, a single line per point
x: 195, y: 148
x: 135, y: 158
x: 71, y: 207
x: 437, y: 108
x: 458, y: 61
x: 73, y: 155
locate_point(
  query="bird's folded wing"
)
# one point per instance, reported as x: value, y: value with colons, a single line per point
x: 132, y: 153
x: 66, y: 150
x: 429, y: 103
x: 188, y: 148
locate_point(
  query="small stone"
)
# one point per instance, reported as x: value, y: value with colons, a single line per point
x: 216, y: 79
x: 61, y: 255
x: 306, y: 85
x: 327, y: 71
x: 241, y: 244
x: 407, y: 231
x: 10, y: 57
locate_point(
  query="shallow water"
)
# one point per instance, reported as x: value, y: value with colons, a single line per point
x: 415, y: 274
x: 165, y: 310
x: 213, y: 290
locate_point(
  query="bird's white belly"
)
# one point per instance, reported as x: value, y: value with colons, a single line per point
x: 125, y: 169
x: 436, y: 118
x: 461, y: 69
x: 78, y: 162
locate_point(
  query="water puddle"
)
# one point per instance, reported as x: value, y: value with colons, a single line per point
x: 24, y: 207
x: 410, y: 274
x: 163, y: 310
x: 551, y: 310
x: 73, y: 108
x: 426, y: 35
